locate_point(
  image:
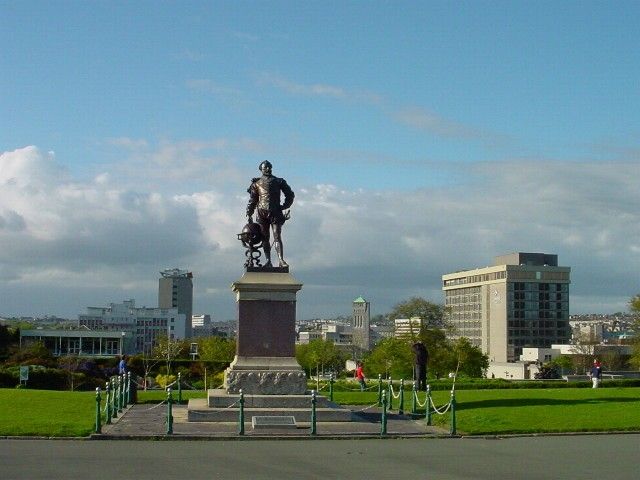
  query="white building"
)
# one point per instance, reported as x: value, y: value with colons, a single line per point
x: 200, y: 320
x: 407, y: 327
x: 84, y: 343
x: 308, y: 336
x: 338, y: 334
x: 146, y: 325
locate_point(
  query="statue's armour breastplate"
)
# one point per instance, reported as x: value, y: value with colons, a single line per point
x: 268, y: 193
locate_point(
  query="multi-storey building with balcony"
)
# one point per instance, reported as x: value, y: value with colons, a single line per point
x: 521, y: 301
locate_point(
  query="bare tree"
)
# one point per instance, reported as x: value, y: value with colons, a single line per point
x: 71, y: 363
x: 149, y: 360
x: 584, y: 350
x: 168, y: 350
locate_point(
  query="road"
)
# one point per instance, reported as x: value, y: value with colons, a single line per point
x: 580, y: 457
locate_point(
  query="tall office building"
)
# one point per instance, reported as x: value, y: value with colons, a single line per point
x: 361, y: 324
x: 521, y: 301
x: 175, y: 290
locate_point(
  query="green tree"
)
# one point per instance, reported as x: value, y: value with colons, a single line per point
x: 8, y: 338
x: 634, y: 305
x: 472, y: 362
x: 564, y: 363
x: 432, y: 314
x: 319, y: 355
x: 612, y: 359
x: 432, y: 332
x: 634, y: 308
x: 33, y: 353
x: 216, y: 349
x: 390, y: 357
x: 439, y: 349
x: 303, y: 357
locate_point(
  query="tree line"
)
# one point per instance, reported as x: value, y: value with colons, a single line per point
x: 394, y: 357
x: 389, y: 357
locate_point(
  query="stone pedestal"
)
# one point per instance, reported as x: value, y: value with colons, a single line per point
x: 265, y: 362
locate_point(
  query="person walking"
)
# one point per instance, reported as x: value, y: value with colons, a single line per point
x: 421, y: 356
x: 359, y: 374
x: 122, y: 365
x: 596, y: 374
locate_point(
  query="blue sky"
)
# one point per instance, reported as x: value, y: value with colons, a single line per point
x: 432, y: 136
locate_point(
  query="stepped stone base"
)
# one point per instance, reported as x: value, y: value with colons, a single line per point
x: 265, y: 376
x: 223, y: 407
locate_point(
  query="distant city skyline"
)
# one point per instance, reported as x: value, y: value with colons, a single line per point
x: 420, y: 139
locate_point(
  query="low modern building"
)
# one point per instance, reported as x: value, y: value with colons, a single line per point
x: 144, y: 324
x: 340, y: 335
x: 83, y: 343
x: 307, y: 336
x: 407, y: 327
x: 203, y: 326
x: 200, y: 320
x: 521, y: 301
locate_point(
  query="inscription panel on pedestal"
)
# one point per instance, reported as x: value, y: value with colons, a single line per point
x: 266, y: 328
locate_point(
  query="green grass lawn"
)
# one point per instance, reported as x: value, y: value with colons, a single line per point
x: 46, y: 412
x: 479, y: 412
x: 482, y: 412
x: 61, y: 413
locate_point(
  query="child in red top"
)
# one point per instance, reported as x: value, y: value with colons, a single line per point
x: 360, y: 376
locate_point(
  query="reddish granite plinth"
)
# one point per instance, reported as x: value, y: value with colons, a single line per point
x: 266, y: 328
x: 265, y: 360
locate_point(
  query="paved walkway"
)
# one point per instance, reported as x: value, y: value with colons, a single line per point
x: 149, y: 421
x: 584, y: 457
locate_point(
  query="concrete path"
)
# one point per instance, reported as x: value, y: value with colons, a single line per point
x: 583, y: 457
x: 148, y: 421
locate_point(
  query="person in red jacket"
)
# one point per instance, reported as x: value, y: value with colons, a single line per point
x: 359, y: 374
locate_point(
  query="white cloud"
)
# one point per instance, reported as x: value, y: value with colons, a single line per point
x: 413, y: 116
x: 294, y: 88
x: 210, y: 162
x: 586, y: 213
x: 246, y: 36
x: 432, y: 123
x: 73, y: 226
x: 103, y: 240
x: 190, y: 55
x: 209, y: 86
x: 129, y: 143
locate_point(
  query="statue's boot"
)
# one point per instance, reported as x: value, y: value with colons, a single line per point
x: 267, y: 255
x: 278, y: 246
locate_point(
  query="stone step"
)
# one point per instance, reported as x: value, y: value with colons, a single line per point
x: 219, y: 398
x: 198, y: 411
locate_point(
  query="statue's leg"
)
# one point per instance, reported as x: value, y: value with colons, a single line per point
x: 266, y: 243
x: 277, y: 242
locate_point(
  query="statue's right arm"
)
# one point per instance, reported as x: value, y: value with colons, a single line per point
x: 253, y: 199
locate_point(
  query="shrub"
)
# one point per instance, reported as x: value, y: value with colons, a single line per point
x: 165, y: 380
x: 8, y: 379
x: 216, y: 380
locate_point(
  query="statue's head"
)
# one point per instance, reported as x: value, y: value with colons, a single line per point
x: 265, y: 167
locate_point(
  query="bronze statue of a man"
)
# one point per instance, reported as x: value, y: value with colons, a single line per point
x: 264, y: 194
